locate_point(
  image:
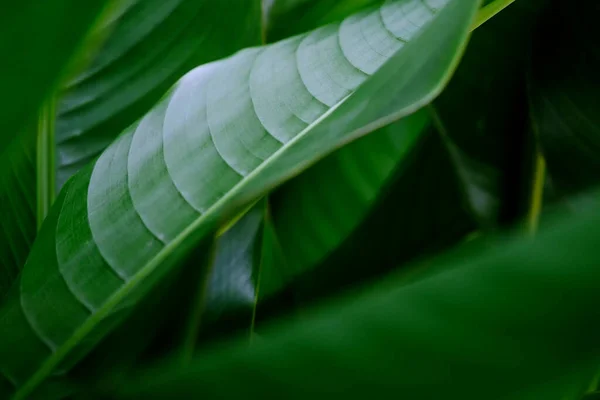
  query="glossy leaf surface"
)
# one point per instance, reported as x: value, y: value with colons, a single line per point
x: 171, y: 178
x: 150, y: 44
x: 146, y: 45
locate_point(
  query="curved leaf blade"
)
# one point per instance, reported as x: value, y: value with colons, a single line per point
x: 147, y: 46
x: 220, y: 151
x: 150, y: 45
x: 453, y: 333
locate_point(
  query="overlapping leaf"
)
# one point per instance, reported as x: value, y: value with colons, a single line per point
x: 38, y: 41
x: 511, y: 322
x: 410, y: 207
x: 138, y: 51
x: 368, y: 184
x: 150, y: 45
x: 224, y: 135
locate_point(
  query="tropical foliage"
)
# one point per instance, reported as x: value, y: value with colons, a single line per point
x: 299, y: 199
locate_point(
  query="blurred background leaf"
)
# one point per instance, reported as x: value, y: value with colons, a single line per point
x: 502, y: 318
x: 563, y: 84
x: 37, y: 41
x: 17, y: 205
x: 483, y: 118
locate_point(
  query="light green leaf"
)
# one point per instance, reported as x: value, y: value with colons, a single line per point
x: 150, y: 45
x: 509, y: 322
x: 214, y: 144
x: 136, y: 52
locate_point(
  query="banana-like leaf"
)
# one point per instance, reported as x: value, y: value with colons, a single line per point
x: 33, y: 34
x: 321, y: 233
x: 564, y: 96
x: 150, y: 45
x: 482, y: 139
x: 517, y: 321
x: 227, y: 133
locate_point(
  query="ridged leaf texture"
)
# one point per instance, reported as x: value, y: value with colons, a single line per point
x: 224, y: 135
x: 149, y: 45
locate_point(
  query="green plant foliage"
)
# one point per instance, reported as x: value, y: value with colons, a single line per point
x: 150, y: 44
x: 17, y: 202
x: 147, y: 46
x: 299, y: 199
x: 39, y: 38
x: 502, y: 318
x: 104, y: 248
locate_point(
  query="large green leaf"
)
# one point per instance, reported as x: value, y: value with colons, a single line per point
x: 380, y: 180
x: 564, y: 85
x: 516, y: 321
x: 150, y: 45
x: 37, y: 40
x: 212, y: 145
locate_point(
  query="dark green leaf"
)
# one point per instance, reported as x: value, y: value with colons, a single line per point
x: 290, y: 17
x: 312, y: 223
x: 17, y: 205
x: 37, y: 40
x: 486, y: 131
x: 416, y: 210
x: 564, y: 85
x: 508, y: 323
